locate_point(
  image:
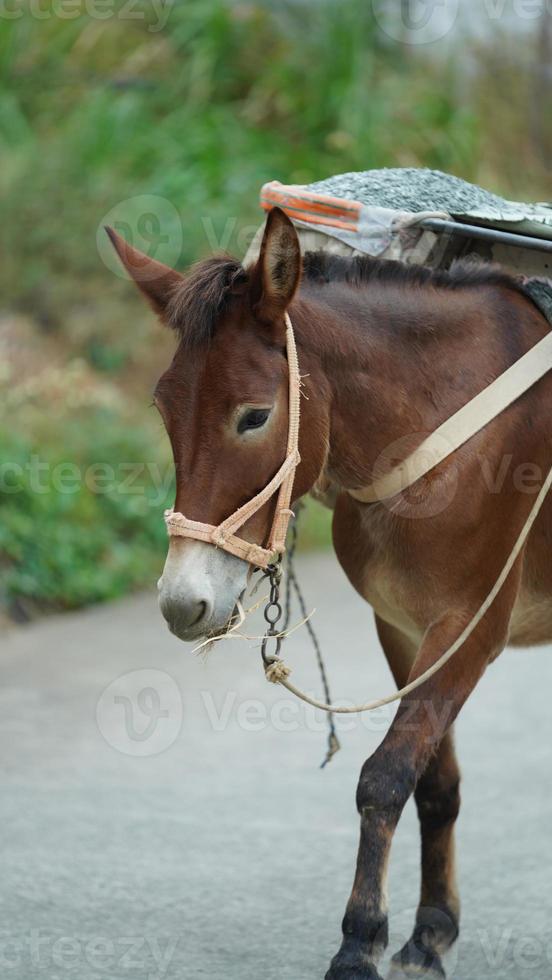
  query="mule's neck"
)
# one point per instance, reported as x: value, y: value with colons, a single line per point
x: 379, y: 373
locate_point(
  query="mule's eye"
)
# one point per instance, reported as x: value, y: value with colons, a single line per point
x: 254, y: 418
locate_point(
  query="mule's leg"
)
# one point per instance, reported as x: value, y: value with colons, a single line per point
x: 389, y: 777
x: 437, y: 799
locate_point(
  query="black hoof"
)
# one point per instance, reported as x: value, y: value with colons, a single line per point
x: 352, y: 973
x: 351, y: 964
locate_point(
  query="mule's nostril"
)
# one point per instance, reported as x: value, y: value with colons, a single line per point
x: 202, y: 610
x: 184, y: 615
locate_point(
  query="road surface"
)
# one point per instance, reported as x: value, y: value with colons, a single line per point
x: 163, y: 815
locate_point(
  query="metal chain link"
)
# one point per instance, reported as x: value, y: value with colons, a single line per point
x: 273, y: 613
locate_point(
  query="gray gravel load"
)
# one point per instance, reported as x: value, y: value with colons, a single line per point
x: 415, y: 190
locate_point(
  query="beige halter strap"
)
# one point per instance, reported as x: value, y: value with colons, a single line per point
x: 224, y: 536
x: 464, y: 424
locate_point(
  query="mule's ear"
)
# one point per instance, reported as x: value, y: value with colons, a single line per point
x: 276, y: 275
x: 155, y: 280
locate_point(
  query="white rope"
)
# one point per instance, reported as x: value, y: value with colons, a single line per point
x: 280, y: 676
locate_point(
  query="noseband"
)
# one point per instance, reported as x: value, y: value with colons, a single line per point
x: 224, y: 535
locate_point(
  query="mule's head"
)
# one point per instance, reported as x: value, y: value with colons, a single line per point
x: 224, y: 402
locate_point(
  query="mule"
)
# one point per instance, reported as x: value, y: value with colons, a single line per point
x: 387, y: 352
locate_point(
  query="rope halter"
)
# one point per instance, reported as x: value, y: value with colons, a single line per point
x: 224, y: 536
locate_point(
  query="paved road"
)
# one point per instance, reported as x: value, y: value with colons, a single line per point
x: 227, y: 854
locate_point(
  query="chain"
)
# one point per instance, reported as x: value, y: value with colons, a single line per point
x: 273, y: 613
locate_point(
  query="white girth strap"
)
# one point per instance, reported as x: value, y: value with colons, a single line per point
x: 464, y: 424
x: 224, y: 536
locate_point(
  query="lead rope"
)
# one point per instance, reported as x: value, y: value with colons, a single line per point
x: 278, y: 672
x: 274, y: 667
x: 292, y: 580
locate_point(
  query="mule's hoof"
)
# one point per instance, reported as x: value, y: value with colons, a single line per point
x: 416, y: 963
x: 344, y: 967
x: 352, y: 973
x: 415, y: 973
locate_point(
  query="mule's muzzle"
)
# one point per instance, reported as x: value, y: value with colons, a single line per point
x: 199, y: 588
x: 187, y: 617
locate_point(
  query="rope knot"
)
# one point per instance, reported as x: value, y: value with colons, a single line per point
x: 277, y: 671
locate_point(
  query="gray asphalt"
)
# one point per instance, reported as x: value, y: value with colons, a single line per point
x: 174, y: 823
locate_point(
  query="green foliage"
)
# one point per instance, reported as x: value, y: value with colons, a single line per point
x: 224, y: 97
x: 80, y: 522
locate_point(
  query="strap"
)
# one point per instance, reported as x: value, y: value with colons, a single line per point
x: 242, y: 515
x: 464, y: 424
x: 183, y: 527
x: 282, y: 514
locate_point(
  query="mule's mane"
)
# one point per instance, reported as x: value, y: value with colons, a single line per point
x: 361, y: 270
x: 202, y: 296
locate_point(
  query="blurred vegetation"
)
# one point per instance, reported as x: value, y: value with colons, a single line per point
x: 225, y: 97
x: 67, y: 541
x: 199, y: 103
x: 82, y: 485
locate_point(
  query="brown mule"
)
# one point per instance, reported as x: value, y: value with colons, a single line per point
x: 387, y: 353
